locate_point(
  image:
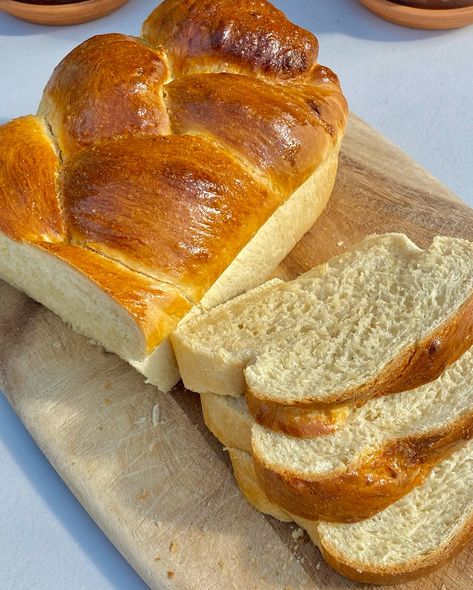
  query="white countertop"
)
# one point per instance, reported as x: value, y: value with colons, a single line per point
x: 416, y: 87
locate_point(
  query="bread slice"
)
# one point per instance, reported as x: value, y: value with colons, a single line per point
x: 383, y: 318
x: 385, y: 449
x: 412, y: 537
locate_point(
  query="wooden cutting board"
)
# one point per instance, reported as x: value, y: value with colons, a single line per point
x: 143, y: 464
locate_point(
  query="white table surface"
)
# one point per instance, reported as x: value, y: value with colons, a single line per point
x: 416, y: 87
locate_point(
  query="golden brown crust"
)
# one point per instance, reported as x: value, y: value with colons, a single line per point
x: 29, y: 204
x: 322, y: 93
x: 298, y: 422
x: 267, y: 125
x: 110, y: 85
x: 418, y: 364
x: 221, y: 34
x: 156, y: 307
x: 369, y: 486
x: 427, y: 361
x: 176, y: 208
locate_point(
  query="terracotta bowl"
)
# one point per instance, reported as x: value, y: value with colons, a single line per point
x: 423, y: 18
x: 435, y: 3
x: 65, y: 12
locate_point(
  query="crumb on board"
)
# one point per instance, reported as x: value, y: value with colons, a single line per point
x: 142, y: 495
x: 297, y: 534
x: 221, y: 563
x: 170, y: 574
x: 155, y: 415
x: 317, y: 567
x: 173, y: 547
x: 152, y: 446
x: 340, y: 243
x: 107, y: 401
x: 157, y: 557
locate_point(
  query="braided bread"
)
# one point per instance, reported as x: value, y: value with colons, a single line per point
x: 168, y: 171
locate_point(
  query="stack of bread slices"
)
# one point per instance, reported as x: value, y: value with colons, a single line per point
x: 345, y: 400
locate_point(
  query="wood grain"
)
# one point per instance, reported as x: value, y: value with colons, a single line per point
x: 161, y: 487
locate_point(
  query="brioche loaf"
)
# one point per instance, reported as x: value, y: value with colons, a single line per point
x: 168, y: 171
x: 383, y: 318
x: 410, y: 538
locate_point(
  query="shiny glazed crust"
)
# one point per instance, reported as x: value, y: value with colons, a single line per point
x: 109, y: 86
x: 191, y: 233
x: 251, y: 36
x: 165, y: 155
x: 29, y: 169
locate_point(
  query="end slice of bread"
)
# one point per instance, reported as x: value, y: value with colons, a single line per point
x: 383, y: 318
x: 410, y: 538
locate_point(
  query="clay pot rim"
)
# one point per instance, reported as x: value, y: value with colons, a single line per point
x: 61, y: 14
x: 421, y: 18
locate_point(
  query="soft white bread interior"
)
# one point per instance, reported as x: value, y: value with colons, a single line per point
x: 91, y: 309
x: 71, y: 295
x: 412, y: 537
x: 430, y: 408
x: 385, y: 317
